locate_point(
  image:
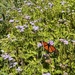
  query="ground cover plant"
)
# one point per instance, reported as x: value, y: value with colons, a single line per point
x: 23, y: 24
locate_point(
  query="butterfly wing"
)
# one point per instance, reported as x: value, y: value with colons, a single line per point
x: 45, y: 45
x: 48, y: 47
x: 52, y: 49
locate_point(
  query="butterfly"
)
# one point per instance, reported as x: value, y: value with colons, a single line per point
x: 47, y: 46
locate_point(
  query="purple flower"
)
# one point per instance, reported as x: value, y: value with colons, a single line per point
x: 5, y: 56
x: 11, y: 21
x: 64, y: 41
x: 35, y: 28
x: 21, y: 28
x: 10, y: 58
x: 14, y: 64
x: 51, y: 42
x: 39, y: 45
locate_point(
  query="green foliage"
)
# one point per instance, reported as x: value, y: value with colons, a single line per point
x: 23, y: 23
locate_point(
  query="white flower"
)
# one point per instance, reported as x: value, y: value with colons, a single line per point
x: 50, y: 4
x: 73, y: 41
x: 1, y: 19
x: 29, y: 3
x: 19, y: 69
x: 2, y: 51
x: 27, y: 17
x: 63, y: 2
x: 26, y: 26
x: 8, y: 36
x: 46, y: 74
x: 62, y: 40
x: 32, y: 23
x: 65, y: 73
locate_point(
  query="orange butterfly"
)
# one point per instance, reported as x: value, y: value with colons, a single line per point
x: 47, y: 46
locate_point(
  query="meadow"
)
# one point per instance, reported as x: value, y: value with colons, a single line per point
x: 23, y: 24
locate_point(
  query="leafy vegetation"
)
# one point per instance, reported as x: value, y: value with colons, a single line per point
x: 23, y: 23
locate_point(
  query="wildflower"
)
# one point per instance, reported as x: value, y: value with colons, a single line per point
x: 65, y: 73
x: 73, y: 41
x: 35, y: 28
x: 63, y: 11
x: 11, y: 21
x: 21, y: 28
x: 46, y: 74
x: 32, y: 23
x: 62, y: 2
x: 19, y: 69
x: 5, y: 56
x: 64, y: 41
x: 60, y: 20
x: 17, y: 21
x: 63, y: 66
x: 29, y: 3
x: 46, y: 8
x: 2, y: 51
x: 11, y: 65
x: 10, y: 58
x: 19, y: 9
x: 27, y: 17
x: 14, y: 64
x: 8, y: 36
x: 25, y: 1
x: 51, y: 42
x: 39, y: 45
x: 38, y: 7
x: 1, y: 19
x: 26, y: 26
x: 50, y: 4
